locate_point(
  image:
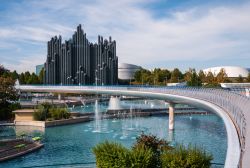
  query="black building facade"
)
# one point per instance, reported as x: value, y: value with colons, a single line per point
x: 77, y: 61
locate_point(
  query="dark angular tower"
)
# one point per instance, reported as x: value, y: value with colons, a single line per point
x: 77, y: 61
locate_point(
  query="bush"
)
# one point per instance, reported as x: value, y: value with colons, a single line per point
x: 41, y: 113
x: 155, y: 144
x: 141, y: 157
x: 182, y: 157
x: 46, y: 111
x: 59, y: 113
x: 110, y: 154
x: 150, y: 152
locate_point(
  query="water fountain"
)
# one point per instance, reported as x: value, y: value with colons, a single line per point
x: 114, y: 103
x: 131, y: 118
x: 97, y: 118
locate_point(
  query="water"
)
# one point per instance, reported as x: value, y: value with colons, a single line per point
x: 73, y: 143
x: 126, y: 104
x: 114, y: 103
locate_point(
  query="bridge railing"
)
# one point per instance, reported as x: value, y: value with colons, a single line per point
x: 234, y: 104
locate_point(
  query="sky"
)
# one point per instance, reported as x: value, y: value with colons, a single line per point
x: 150, y: 33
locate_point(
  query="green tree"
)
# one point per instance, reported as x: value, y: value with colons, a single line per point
x: 41, y: 75
x: 3, y: 70
x: 33, y: 79
x: 8, y: 95
x: 14, y: 75
x: 240, y: 79
x: 188, y: 74
x: 159, y: 76
x: 22, y: 78
x: 193, y: 79
x: 176, y: 76
x: 27, y: 77
x: 202, y: 76
x: 143, y: 76
x: 248, y: 77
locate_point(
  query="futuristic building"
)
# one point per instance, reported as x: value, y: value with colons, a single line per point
x: 77, y: 61
x: 231, y: 71
x: 127, y: 71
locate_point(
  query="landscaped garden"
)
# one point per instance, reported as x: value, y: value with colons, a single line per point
x: 150, y: 151
x: 48, y: 112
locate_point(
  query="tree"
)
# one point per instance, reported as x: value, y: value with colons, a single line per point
x: 202, y: 76
x: 41, y: 75
x: 8, y: 95
x: 248, y: 77
x: 221, y: 76
x: 193, y: 79
x: 188, y: 74
x: 14, y: 75
x: 240, y: 79
x: 33, y: 79
x: 3, y: 70
x: 211, y: 80
x: 143, y: 76
x: 159, y: 76
x: 27, y: 77
x: 176, y: 76
x: 22, y: 78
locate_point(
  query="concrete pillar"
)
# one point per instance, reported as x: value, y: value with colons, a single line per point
x: 59, y: 96
x: 171, y: 135
x: 171, y: 116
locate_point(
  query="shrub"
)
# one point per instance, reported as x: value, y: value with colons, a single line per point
x: 150, y: 152
x: 46, y: 111
x: 155, y: 144
x: 152, y: 142
x: 59, y: 113
x: 40, y: 113
x: 141, y: 157
x: 110, y: 154
x: 182, y: 157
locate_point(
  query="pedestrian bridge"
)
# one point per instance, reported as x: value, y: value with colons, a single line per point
x: 233, y: 108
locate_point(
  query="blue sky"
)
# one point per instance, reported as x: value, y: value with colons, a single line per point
x: 150, y: 33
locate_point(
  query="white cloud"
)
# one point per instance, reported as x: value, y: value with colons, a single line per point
x: 196, y: 33
x: 27, y: 64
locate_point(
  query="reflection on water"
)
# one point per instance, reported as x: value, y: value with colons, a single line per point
x: 73, y: 143
x: 9, y: 132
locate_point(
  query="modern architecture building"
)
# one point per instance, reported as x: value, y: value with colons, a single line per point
x: 231, y: 71
x: 77, y: 61
x: 39, y: 68
x: 127, y: 71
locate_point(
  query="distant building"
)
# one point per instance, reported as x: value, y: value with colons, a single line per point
x: 127, y: 71
x: 231, y: 71
x: 77, y: 61
x: 38, y: 69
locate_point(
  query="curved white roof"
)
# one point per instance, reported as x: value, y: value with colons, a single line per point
x: 231, y: 71
x: 127, y: 66
x: 127, y: 71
